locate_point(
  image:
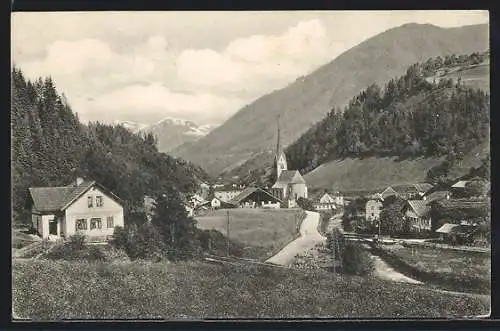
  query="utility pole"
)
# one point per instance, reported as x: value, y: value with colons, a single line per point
x: 227, y: 234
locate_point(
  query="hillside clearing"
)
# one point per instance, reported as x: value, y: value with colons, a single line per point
x: 374, y: 173
x: 262, y: 231
x: 63, y: 290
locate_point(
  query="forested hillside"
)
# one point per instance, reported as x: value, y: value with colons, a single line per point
x: 50, y: 147
x: 409, y: 117
x: 251, y: 132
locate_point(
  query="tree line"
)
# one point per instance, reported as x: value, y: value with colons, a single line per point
x: 50, y: 147
x: 410, y: 116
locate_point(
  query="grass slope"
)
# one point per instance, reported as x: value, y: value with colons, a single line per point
x: 262, y: 231
x: 69, y: 290
x: 373, y: 173
x: 304, y: 102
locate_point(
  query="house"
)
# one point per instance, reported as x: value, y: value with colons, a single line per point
x: 412, y: 191
x: 254, y: 197
x: 458, y: 233
x: 373, y: 208
x: 289, y: 185
x: 418, y: 213
x: 436, y: 196
x: 85, y: 207
x: 324, y: 201
x: 389, y: 191
x: 460, y: 211
x: 458, y: 189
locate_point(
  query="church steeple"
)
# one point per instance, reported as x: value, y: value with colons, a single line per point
x: 280, y: 157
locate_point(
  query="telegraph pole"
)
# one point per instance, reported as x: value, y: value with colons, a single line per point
x: 227, y: 234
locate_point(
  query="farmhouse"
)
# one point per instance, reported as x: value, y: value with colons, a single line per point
x: 324, y: 201
x: 84, y: 206
x: 458, y: 233
x: 373, y: 209
x: 418, y: 213
x: 389, y: 191
x: 290, y: 185
x: 412, y: 191
x: 254, y: 197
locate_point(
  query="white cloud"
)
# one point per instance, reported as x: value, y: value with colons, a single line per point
x: 158, y: 99
x: 259, y: 61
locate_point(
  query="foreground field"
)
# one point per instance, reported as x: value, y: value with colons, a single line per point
x: 262, y: 231
x: 67, y: 290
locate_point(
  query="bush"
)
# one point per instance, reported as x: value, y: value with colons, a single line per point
x: 71, y: 251
x: 305, y: 204
x: 355, y: 260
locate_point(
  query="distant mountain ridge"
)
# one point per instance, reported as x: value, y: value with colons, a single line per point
x: 251, y: 131
x: 170, y: 132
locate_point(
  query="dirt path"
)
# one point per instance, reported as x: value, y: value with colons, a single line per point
x: 384, y: 271
x: 309, y: 237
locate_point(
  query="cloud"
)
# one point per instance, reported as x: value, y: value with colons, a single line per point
x: 158, y: 101
x: 259, y: 61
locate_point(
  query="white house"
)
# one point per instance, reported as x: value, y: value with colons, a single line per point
x: 324, y: 202
x: 373, y: 209
x: 85, y: 207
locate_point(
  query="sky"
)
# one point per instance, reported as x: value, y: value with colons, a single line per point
x: 198, y: 66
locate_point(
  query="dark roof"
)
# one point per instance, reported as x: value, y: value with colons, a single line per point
x: 51, y: 199
x: 246, y: 193
x: 412, y: 188
x: 436, y: 195
x: 462, y: 203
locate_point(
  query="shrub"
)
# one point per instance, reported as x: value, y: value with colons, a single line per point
x: 355, y: 260
x: 305, y: 204
x: 71, y: 251
x: 77, y: 241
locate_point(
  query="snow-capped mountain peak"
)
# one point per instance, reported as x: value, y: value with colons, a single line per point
x: 170, y: 132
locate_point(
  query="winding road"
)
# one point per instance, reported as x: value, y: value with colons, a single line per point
x: 309, y: 237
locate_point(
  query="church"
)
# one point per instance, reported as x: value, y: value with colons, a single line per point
x: 290, y: 185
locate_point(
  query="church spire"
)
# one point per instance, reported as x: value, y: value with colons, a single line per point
x: 278, y: 145
x: 280, y: 155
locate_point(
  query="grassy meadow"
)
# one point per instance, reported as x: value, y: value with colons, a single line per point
x: 447, y: 269
x: 262, y: 231
x: 58, y: 290
x: 447, y: 261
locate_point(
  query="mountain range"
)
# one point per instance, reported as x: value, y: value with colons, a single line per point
x: 170, y: 132
x: 249, y: 136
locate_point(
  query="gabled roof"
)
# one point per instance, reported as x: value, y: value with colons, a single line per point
x: 52, y: 199
x: 419, y: 207
x: 247, y: 192
x: 289, y: 177
x: 446, y: 228
x: 388, y: 192
x: 423, y: 187
x: 460, y: 184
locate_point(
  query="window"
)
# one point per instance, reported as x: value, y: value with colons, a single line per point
x: 110, y: 222
x: 90, y: 202
x: 95, y: 223
x: 98, y: 201
x: 81, y: 224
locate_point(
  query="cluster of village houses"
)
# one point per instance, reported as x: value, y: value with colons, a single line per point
x: 88, y: 207
x: 420, y: 200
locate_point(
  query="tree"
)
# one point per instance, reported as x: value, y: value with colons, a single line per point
x: 171, y: 220
x: 305, y: 204
x: 476, y: 188
x: 392, y: 219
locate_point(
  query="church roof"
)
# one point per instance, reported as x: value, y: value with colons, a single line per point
x: 289, y: 177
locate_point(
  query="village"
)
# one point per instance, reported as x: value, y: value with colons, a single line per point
x: 165, y: 167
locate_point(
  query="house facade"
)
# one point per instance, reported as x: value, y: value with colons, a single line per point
x: 324, y: 202
x: 84, y: 207
x: 418, y: 213
x: 373, y: 210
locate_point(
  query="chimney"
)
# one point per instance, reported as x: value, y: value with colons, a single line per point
x: 447, y: 196
x: 79, y: 181
x: 424, y: 198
